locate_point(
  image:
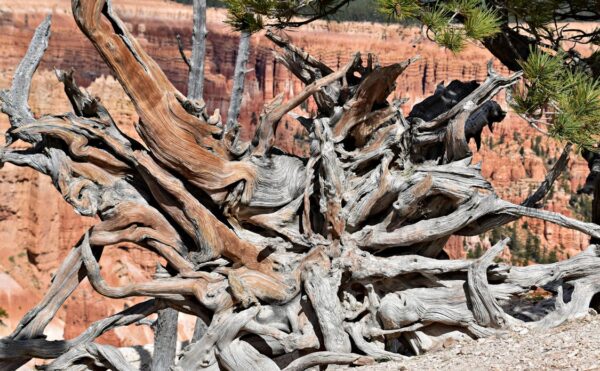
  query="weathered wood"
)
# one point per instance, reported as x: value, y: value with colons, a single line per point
x: 240, y: 355
x: 279, y: 255
x: 165, y: 339
x: 533, y: 200
x: 491, y: 86
x: 321, y: 287
x: 15, y: 100
x: 181, y: 48
x: 370, y: 349
x: 457, y: 146
x: 372, y: 91
x: 239, y: 77
x: 32, y: 325
x: 179, y: 141
x: 328, y: 358
x: 485, y: 309
x: 219, y: 335
x: 364, y: 266
x: 46, y: 349
x: 199, y: 330
x: 166, y: 326
x: 266, y: 129
x: 91, y: 354
x: 196, y: 75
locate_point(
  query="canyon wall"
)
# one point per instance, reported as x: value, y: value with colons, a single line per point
x: 37, y: 228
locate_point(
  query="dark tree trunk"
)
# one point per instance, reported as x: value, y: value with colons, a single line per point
x: 509, y: 47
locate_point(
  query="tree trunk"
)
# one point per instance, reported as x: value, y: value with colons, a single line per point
x: 594, y: 165
x: 239, y: 76
x: 196, y: 76
x: 165, y: 340
x: 596, y: 208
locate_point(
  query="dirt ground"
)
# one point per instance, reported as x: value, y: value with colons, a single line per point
x: 572, y: 346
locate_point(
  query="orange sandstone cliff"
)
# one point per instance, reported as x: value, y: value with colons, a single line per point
x: 37, y: 228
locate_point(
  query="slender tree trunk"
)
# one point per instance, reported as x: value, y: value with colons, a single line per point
x: 196, y: 76
x: 234, y: 107
x: 239, y: 76
x: 196, y: 88
x: 165, y: 340
x: 165, y: 337
x: 199, y: 330
x: 165, y: 333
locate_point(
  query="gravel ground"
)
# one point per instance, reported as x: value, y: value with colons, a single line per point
x: 572, y: 346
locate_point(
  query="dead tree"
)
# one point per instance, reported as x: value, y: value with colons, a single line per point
x: 293, y: 262
x: 196, y: 76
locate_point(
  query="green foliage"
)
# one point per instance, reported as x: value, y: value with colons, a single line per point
x: 535, y: 13
x: 450, y: 38
x: 581, y: 205
x: 360, y: 11
x: 356, y: 10
x: 436, y: 19
x: 481, y: 23
x: 517, y: 137
x: 476, y: 253
x: 240, y: 18
x: 450, y: 24
x: 254, y: 15
x: 3, y: 314
x: 578, y: 119
x: 525, y: 247
x: 567, y: 99
x: 535, y: 145
x: 544, y: 74
x: 399, y: 9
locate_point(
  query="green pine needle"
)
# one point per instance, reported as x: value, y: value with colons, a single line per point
x: 399, y: 9
x: 571, y: 99
x: 436, y: 19
x: 481, y: 23
x: 451, y: 38
x: 462, y: 6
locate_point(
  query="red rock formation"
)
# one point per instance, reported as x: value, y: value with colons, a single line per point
x: 510, y: 157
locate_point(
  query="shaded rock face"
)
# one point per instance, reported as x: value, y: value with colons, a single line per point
x: 37, y: 228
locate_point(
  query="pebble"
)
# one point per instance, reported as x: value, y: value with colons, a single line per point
x: 523, y: 331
